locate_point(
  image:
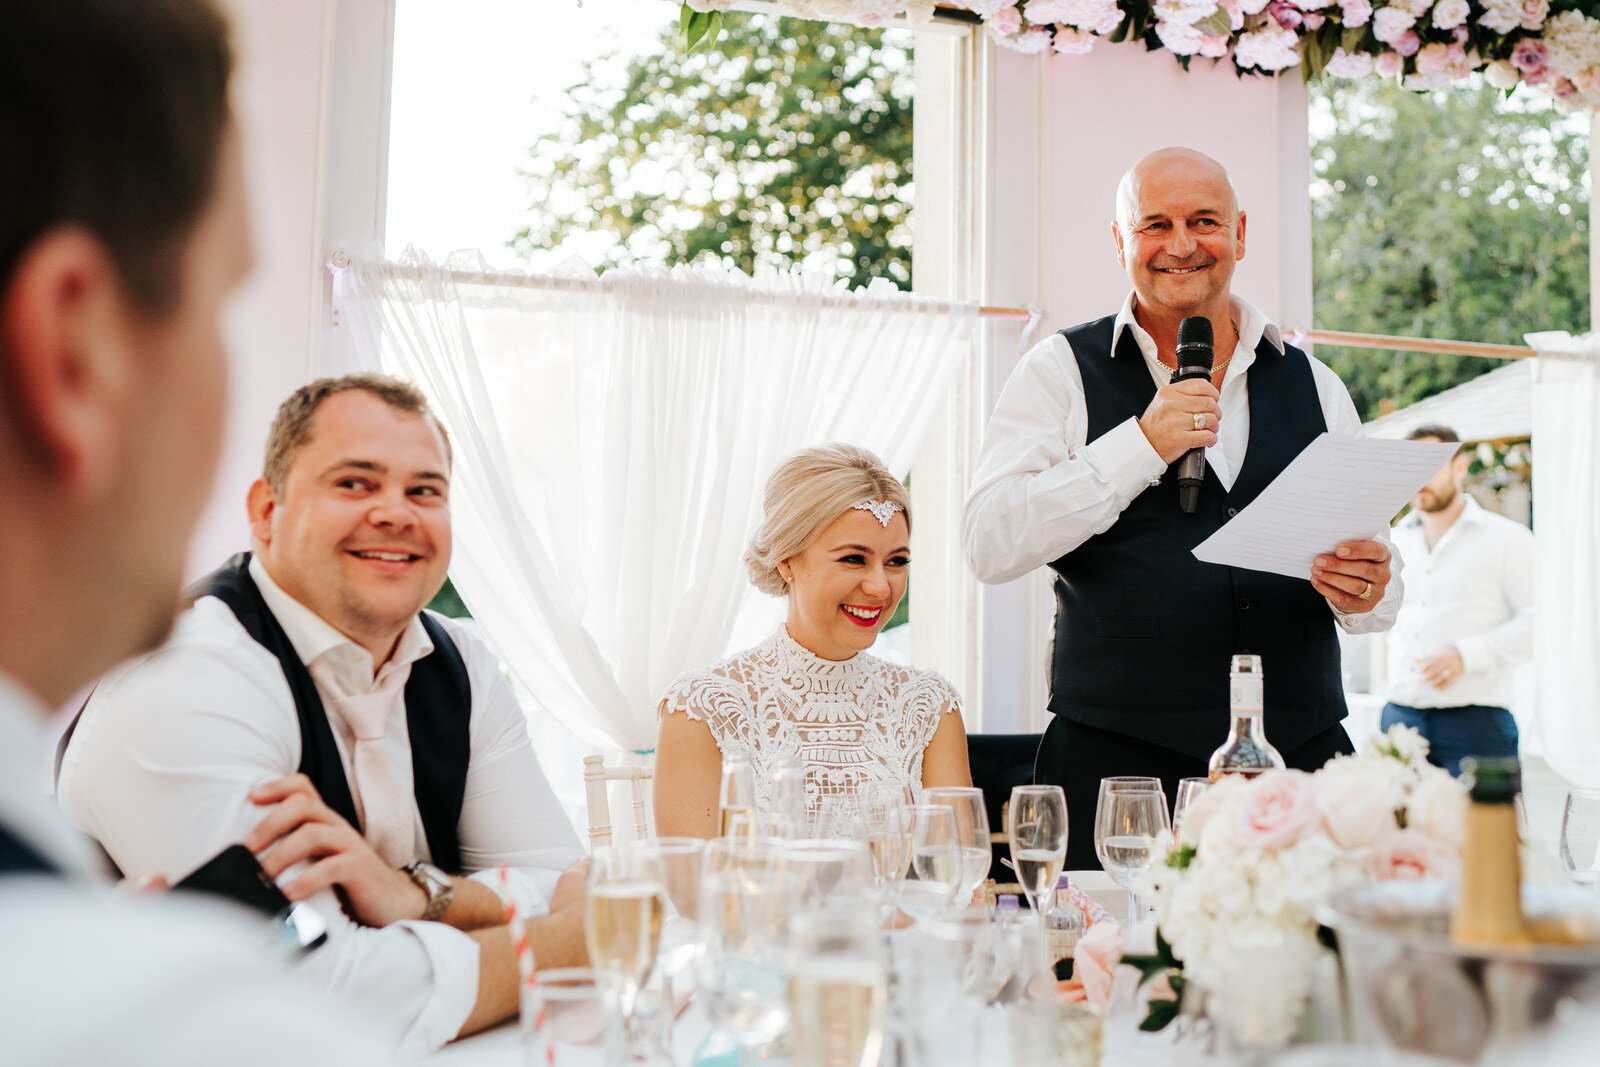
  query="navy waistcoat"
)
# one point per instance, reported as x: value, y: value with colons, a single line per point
x: 17, y: 856
x: 438, y: 715
x: 1144, y: 631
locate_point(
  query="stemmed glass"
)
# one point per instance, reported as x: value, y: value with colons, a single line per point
x: 1580, y: 837
x: 821, y: 872
x: 743, y: 981
x: 679, y: 860
x: 625, y: 906
x: 1036, y: 825
x: 1129, y: 824
x: 737, y: 794
x: 885, y: 816
x: 838, y: 989
x: 972, y: 829
x: 1189, y: 790
x: 935, y: 862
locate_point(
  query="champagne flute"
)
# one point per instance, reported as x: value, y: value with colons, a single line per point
x: 935, y: 862
x: 625, y: 906
x: 737, y: 794
x: 838, y: 989
x: 1036, y: 826
x: 822, y: 872
x: 1129, y: 825
x: 886, y: 820
x: 742, y: 916
x: 1580, y: 836
x: 788, y: 800
x: 1189, y: 790
x: 680, y: 860
x: 972, y: 828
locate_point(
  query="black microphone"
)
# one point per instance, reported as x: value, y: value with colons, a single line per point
x: 1195, y: 355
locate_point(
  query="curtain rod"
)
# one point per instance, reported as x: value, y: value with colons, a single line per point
x: 1358, y: 340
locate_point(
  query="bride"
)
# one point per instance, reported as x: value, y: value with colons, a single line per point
x: 834, y: 541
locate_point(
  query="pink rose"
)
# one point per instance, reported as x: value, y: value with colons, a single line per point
x: 1408, y: 43
x: 1288, y: 16
x: 1528, y: 57
x: 1355, y: 12
x: 1409, y: 854
x: 1563, y: 89
x: 1433, y: 59
x: 1275, y: 810
x: 1388, y: 64
x: 1072, y: 42
x: 1094, y: 966
x: 1534, y: 12
x: 1312, y: 21
x: 1214, y: 47
x: 1390, y: 24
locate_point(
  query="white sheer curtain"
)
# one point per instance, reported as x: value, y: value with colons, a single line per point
x: 1566, y: 521
x: 612, y: 437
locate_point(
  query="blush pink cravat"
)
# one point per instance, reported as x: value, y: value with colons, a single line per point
x: 385, y: 808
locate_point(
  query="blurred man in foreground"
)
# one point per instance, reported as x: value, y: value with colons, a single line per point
x: 122, y: 232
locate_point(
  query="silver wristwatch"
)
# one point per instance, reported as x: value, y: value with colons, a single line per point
x: 434, y: 882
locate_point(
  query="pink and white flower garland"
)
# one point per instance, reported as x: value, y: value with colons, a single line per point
x: 1424, y: 43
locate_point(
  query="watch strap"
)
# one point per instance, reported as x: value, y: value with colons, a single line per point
x: 435, y: 883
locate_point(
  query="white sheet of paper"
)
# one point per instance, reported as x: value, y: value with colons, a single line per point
x: 1337, y: 489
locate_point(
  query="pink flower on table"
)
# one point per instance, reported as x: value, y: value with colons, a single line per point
x: 1388, y: 64
x: 1563, y: 89
x: 1094, y: 966
x: 1534, y: 13
x: 1007, y: 20
x: 1408, y: 43
x: 1275, y: 810
x: 1391, y: 24
x: 1404, y: 854
x: 1213, y: 47
x: 1528, y: 56
x: 1311, y: 21
x: 1355, y: 13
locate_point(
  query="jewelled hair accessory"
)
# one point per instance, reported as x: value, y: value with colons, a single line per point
x: 882, y: 510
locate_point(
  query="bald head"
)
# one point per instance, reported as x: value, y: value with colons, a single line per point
x: 1184, y: 165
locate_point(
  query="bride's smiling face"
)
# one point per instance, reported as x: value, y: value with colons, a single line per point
x: 846, y: 584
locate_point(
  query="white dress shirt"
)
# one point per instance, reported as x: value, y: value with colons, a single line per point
x: 1042, y: 489
x: 170, y: 746
x: 1474, y: 590
x: 91, y: 976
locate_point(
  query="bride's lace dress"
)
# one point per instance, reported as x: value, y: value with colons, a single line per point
x: 849, y: 721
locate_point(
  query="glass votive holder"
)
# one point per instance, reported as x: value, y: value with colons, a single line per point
x: 1051, y: 1032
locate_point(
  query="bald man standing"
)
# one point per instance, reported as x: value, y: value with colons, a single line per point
x: 1078, y: 473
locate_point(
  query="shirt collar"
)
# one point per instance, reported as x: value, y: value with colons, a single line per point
x: 313, y: 636
x: 1250, y: 321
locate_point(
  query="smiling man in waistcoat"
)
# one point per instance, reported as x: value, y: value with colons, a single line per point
x: 1077, y: 473
x: 371, y: 753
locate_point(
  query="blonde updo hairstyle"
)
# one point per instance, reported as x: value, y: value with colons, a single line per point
x: 805, y: 494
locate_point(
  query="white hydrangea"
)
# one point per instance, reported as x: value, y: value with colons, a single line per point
x: 1096, y: 16
x: 1270, y: 48
x: 1183, y: 12
x: 1572, y: 45
x: 1179, y: 38
x: 1501, y: 16
x: 1344, y: 65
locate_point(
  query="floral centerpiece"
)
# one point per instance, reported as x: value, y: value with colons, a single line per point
x: 1552, y: 44
x: 1236, y: 893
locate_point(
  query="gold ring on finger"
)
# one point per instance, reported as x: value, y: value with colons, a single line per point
x: 1199, y: 421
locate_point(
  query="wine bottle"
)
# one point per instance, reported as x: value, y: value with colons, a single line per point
x: 1246, y: 751
x: 1489, y: 907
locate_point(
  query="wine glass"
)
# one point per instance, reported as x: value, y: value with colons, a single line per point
x: 680, y: 860
x: 838, y: 989
x: 737, y: 793
x: 885, y: 817
x: 1129, y: 825
x: 626, y: 903
x: 1580, y: 836
x: 972, y: 828
x: 787, y: 776
x: 819, y: 872
x: 742, y: 975
x: 1189, y: 790
x: 935, y: 862
x: 1036, y: 826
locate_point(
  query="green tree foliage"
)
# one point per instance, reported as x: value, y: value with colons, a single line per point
x: 789, y: 141
x: 1457, y: 214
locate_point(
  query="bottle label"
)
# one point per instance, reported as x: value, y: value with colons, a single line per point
x: 1244, y: 694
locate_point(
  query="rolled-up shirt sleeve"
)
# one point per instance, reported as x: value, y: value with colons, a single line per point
x: 1041, y: 489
